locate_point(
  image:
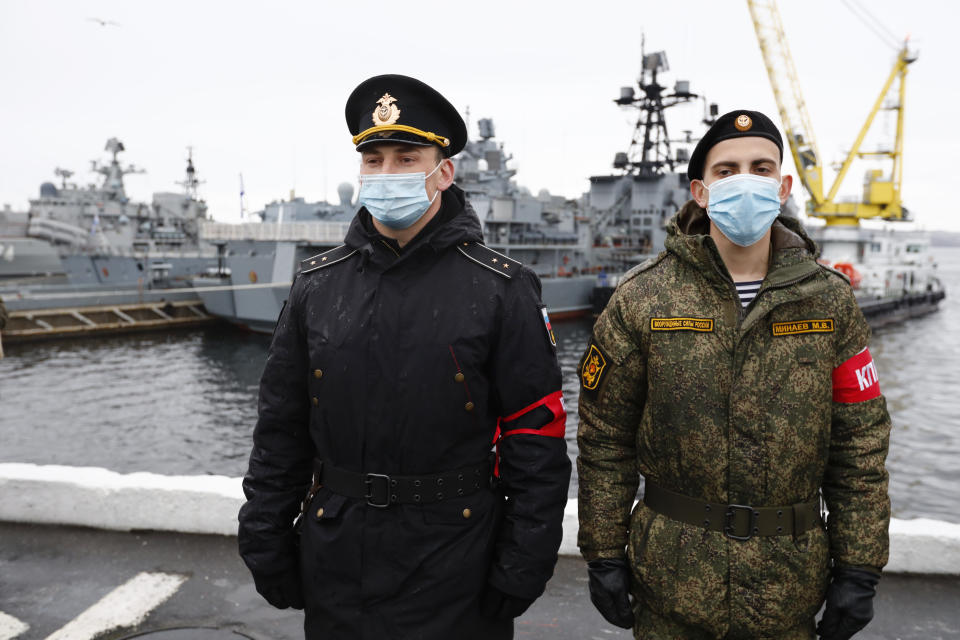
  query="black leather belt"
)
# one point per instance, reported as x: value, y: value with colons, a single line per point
x: 737, y: 521
x: 382, y: 490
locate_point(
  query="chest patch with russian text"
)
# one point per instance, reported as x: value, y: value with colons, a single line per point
x: 821, y: 325
x: 591, y: 372
x: 704, y: 325
x: 856, y: 379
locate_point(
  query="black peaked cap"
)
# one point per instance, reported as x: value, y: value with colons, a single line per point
x: 735, y: 124
x: 399, y: 108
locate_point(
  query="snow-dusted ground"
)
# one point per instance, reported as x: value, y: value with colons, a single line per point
x: 95, y: 497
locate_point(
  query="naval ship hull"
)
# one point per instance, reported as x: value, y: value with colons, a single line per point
x: 252, y: 290
x: 22, y: 257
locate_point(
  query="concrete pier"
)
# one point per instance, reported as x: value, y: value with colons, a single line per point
x: 53, y: 576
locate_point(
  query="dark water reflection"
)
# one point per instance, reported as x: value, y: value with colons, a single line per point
x: 185, y: 402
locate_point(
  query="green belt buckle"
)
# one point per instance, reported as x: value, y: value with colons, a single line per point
x: 728, y: 526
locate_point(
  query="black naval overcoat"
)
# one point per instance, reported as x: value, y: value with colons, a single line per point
x: 409, y: 362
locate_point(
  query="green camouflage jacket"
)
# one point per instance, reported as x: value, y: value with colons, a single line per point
x: 736, y: 406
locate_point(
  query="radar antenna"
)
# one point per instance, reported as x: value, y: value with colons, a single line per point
x: 64, y: 175
x: 113, y: 173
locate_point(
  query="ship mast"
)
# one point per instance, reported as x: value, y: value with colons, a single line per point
x: 113, y: 174
x: 190, y: 182
x: 649, y: 153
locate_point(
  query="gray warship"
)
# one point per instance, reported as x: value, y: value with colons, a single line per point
x: 91, y: 245
x: 573, y: 245
x: 257, y: 260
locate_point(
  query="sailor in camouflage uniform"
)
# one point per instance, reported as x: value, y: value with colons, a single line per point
x: 738, y: 415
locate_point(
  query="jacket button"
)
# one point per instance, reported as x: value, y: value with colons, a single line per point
x: 458, y: 377
x: 467, y: 513
x: 320, y: 512
x: 317, y: 374
x: 315, y: 401
x: 468, y: 406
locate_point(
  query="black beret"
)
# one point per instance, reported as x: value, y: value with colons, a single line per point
x: 735, y: 124
x: 398, y: 108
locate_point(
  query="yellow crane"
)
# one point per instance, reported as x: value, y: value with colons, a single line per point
x: 881, y: 191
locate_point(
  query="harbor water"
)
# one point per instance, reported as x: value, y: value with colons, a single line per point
x: 185, y: 402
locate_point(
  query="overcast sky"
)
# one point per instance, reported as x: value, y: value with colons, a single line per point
x: 258, y: 88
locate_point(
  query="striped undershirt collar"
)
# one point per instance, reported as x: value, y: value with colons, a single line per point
x: 748, y: 290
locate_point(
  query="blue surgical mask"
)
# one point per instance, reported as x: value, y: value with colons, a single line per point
x: 744, y: 206
x: 397, y: 200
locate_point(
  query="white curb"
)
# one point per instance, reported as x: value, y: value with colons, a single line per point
x: 95, y: 497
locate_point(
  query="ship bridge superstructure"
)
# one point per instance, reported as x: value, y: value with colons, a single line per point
x: 628, y: 210
x: 103, y: 220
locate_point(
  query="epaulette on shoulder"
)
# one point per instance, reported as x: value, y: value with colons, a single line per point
x: 649, y: 263
x: 327, y: 258
x: 835, y: 272
x: 487, y: 257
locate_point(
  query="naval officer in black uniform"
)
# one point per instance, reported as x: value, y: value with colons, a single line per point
x: 412, y: 391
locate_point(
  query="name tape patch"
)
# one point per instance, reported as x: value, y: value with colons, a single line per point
x: 681, y: 324
x: 592, y: 371
x: 821, y: 325
x: 856, y: 379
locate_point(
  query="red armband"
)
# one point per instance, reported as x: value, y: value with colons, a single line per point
x: 555, y: 428
x: 856, y: 379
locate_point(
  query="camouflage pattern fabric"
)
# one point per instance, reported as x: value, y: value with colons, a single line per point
x: 682, y: 385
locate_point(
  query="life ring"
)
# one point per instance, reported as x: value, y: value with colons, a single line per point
x: 848, y: 270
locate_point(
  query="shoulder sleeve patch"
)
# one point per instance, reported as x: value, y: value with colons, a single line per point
x: 593, y: 367
x: 487, y: 257
x: 326, y: 258
x: 649, y: 263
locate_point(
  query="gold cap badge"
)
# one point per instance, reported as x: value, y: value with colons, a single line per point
x: 387, y: 112
x: 743, y: 122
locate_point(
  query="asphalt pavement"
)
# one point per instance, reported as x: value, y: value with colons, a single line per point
x: 52, y: 577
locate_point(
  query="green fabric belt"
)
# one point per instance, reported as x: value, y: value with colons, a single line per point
x: 740, y: 522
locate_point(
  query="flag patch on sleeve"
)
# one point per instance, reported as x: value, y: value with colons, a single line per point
x: 546, y: 323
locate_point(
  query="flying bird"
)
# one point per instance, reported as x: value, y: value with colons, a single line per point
x: 104, y: 23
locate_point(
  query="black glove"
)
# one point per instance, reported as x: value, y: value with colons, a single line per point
x: 282, y: 591
x: 610, y: 590
x: 849, y: 603
x: 497, y: 604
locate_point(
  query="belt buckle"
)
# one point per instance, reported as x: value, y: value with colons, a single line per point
x: 728, y: 521
x: 368, y: 481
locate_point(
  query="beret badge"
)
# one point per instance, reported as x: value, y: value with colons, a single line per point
x: 743, y: 122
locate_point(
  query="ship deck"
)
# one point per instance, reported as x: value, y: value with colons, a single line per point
x: 54, y: 576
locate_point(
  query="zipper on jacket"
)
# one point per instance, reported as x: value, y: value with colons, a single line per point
x: 389, y: 247
x: 741, y: 315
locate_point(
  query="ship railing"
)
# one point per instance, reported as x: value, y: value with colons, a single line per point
x: 319, y: 232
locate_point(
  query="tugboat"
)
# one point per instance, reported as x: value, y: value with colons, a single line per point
x: 891, y: 271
